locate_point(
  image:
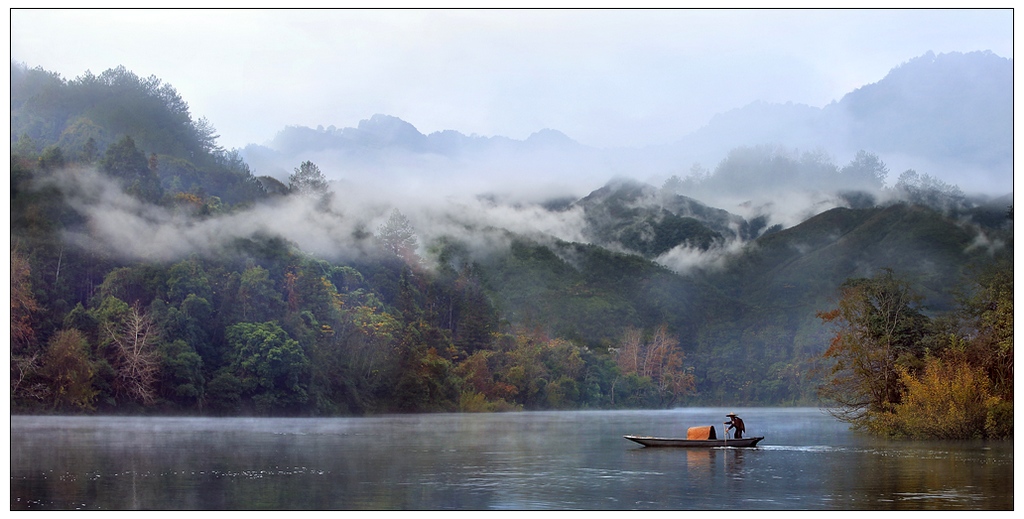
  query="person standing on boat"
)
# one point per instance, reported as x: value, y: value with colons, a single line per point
x: 735, y: 422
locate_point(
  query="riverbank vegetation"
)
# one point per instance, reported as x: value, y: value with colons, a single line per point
x: 894, y: 371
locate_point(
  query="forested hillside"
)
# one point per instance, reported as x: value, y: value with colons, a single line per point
x: 155, y: 272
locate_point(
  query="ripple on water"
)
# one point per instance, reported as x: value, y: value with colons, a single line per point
x: 802, y: 448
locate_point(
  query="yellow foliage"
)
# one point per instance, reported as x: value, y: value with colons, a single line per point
x: 475, y: 402
x: 949, y: 400
x: 188, y: 199
x: 380, y: 325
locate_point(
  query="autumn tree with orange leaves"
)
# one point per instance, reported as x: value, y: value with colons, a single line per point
x: 878, y: 330
x: 25, y: 356
x: 23, y: 303
x: 655, y: 363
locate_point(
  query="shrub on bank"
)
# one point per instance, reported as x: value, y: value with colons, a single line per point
x: 951, y: 400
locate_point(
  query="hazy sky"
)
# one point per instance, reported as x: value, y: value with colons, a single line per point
x: 604, y: 77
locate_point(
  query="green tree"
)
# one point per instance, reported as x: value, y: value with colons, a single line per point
x: 188, y: 277
x: 196, y: 327
x: 271, y: 366
x: 258, y: 298
x: 66, y: 365
x: 397, y: 238
x: 130, y: 166
x: 90, y: 151
x: 308, y: 180
x: 425, y: 380
x: 272, y: 186
x: 52, y: 158
x: 987, y: 316
x: 927, y: 190
x: 182, y: 378
x: 138, y: 284
x: 25, y: 147
x: 475, y: 319
x: 536, y: 371
x: 865, y: 171
x: 224, y: 393
x: 371, y: 345
x: 203, y: 131
x: 81, y: 138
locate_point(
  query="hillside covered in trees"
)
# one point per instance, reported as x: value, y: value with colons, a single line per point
x: 153, y: 272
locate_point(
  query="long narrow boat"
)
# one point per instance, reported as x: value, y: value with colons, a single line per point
x: 651, y: 441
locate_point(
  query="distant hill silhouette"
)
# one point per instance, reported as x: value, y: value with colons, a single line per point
x: 945, y: 114
x: 948, y: 115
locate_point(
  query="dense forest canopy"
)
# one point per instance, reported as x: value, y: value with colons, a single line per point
x: 153, y: 271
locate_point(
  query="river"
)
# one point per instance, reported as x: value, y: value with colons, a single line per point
x: 558, y: 460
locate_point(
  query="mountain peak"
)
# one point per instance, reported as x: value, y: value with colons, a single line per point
x: 389, y: 128
x: 549, y: 137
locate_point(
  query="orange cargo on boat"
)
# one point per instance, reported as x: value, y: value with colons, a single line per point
x: 701, y: 433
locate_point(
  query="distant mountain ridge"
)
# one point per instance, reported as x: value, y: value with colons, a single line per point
x: 946, y: 107
x: 381, y: 132
x: 948, y: 115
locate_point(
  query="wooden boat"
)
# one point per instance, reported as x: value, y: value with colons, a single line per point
x: 651, y: 441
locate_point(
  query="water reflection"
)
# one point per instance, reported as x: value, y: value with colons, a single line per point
x: 520, y: 461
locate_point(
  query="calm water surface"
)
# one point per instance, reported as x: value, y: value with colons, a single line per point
x: 517, y: 461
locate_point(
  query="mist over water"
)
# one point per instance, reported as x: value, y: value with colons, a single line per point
x: 516, y: 461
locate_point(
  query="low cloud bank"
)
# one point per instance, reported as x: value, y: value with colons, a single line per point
x: 120, y: 225
x: 469, y: 203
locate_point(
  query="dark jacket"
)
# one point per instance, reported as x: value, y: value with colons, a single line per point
x: 736, y: 423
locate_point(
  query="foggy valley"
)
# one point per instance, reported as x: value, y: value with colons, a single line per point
x: 727, y: 242
x: 781, y: 164
x: 479, y: 258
